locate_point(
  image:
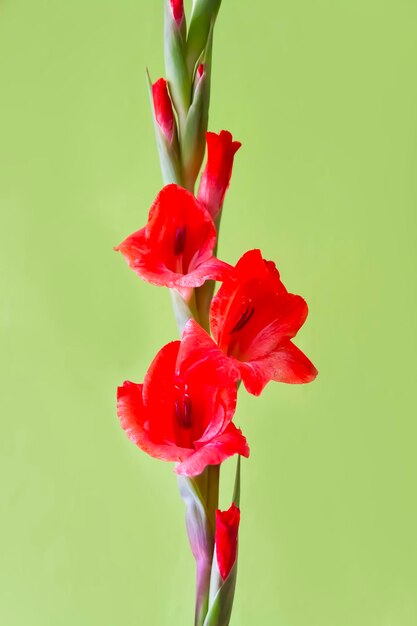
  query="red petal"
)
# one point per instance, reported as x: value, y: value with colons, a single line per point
x: 227, y: 528
x: 177, y: 7
x: 197, y: 346
x: 230, y: 442
x: 286, y: 365
x: 134, y: 419
x: 204, y: 366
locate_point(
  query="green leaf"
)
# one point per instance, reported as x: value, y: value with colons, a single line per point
x: 236, y: 490
x: 221, y: 608
x: 193, y: 137
x: 203, y: 16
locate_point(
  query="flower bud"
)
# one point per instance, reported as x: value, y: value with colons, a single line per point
x: 224, y: 568
x: 175, y: 32
x: 177, y: 7
x: 165, y: 131
x: 164, y: 114
x: 215, y: 179
x: 227, y: 527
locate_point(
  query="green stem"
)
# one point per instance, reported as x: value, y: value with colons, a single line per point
x: 213, y: 493
x: 200, y: 495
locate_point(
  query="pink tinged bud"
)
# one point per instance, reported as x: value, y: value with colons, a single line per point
x: 227, y: 527
x: 215, y: 180
x: 198, y: 76
x: 164, y: 113
x: 177, y: 7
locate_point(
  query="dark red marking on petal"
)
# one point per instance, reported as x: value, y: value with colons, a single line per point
x: 179, y: 242
x: 243, y: 320
x: 183, y: 411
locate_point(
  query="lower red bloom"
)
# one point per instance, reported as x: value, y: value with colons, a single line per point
x: 227, y: 528
x: 253, y: 319
x: 175, y: 249
x: 183, y: 411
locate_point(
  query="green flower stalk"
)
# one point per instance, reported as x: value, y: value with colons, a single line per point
x: 183, y: 411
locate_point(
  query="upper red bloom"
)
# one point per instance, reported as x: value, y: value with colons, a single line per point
x: 162, y: 105
x: 227, y: 528
x: 175, y: 248
x: 183, y: 410
x: 253, y: 319
x: 216, y: 176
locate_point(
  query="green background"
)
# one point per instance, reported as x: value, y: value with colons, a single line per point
x: 323, y: 96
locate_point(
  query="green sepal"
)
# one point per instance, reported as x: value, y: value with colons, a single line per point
x: 203, y: 16
x: 169, y: 153
x: 183, y: 310
x: 222, y: 592
x: 177, y: 73
x: 200, y: 495
x: 201, y: 540
x: 220, y: 608
x: 193, y: 137
x: 236, y: 490
x: 204, y: 294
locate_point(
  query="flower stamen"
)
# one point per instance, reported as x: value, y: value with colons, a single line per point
x: 183, y: 411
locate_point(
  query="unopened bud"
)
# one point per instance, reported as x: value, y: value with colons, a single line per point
x: 177, y: 7
x: 175, y: 32
x: 164, y: 114
x: 227, y: 527
x: 165, y: 131
x: 200, y: 70
x: 215, y: 179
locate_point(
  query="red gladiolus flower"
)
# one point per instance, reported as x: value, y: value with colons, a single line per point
x: 164, y: 113
x: 175, y: 249
x: 183, y: 411
x: 227, y: 527
x: 253, y: 319
x: 215, y: 179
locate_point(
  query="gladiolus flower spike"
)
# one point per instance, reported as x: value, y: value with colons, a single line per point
x: 183, y: 412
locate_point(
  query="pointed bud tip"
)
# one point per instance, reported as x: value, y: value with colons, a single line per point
x: 164, y: 113
x: 227, y: 528
x: 177, y: 7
